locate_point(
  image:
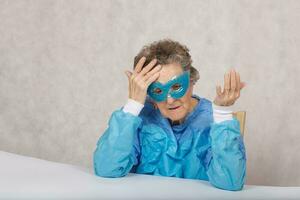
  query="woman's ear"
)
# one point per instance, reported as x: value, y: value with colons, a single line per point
x: 191, y: 88
x: 192, y: 83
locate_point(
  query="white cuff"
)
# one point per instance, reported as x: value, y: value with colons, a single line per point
x: 222, y: 113
x: 133, y: 107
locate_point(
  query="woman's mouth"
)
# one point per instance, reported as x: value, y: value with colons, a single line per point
x: 174, y: 108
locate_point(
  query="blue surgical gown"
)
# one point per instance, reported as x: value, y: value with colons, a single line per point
x: 196, y: 149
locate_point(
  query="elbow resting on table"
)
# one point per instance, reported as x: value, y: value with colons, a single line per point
x: 101, y: 170
x: 235, y: 187
x: 232, y: 183
x: 106, y: 167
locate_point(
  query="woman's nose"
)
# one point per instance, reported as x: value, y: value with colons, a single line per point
x: 170, y: 100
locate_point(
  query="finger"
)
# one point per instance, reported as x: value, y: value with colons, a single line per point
x: 238, y: 82
x: 237, y: 95
x: 153, y: 78
x: 226, y: 83
x: 148, y: 67
x: 232, y: 80
x: 219, y: 90
x: 153, y: 71
x: 128, y: 74
x: 243, y: 84
x: 140, y: 65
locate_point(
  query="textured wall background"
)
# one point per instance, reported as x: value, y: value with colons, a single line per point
x: 62, y: 63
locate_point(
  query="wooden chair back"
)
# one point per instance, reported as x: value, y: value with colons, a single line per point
x: 241, y: 117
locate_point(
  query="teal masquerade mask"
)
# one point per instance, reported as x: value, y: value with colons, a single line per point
x: 175, y: 88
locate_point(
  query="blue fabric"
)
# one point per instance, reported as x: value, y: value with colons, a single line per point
x: 165, y: 90
x: 195, y: 149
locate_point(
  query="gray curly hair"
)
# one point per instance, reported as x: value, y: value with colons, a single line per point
x: 168, y: 51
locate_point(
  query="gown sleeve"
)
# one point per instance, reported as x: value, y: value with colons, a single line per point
x: 226, y: 167
x: 118, y: 148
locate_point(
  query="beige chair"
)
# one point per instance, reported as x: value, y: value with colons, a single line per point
x: 241, y: 117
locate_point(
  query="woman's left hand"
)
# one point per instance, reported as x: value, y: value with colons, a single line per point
x: 232, y: 88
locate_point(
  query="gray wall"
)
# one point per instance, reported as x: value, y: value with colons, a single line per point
x: 62, y: 72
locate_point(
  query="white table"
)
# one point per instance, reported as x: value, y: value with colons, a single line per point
x: 24, y: 177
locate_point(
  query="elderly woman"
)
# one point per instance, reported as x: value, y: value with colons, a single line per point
x: 164, y: 129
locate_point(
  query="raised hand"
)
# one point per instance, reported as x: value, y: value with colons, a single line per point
x: 140, y: 79
x: 232, y: 88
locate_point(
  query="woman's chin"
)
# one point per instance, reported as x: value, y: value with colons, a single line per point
x: 176, y: 116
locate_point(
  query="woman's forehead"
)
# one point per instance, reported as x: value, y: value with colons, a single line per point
x: 169, y: 71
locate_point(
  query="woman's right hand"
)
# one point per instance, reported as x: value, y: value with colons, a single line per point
x: 140, y: 79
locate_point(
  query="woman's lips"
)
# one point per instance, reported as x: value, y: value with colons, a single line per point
x: 174, y: 108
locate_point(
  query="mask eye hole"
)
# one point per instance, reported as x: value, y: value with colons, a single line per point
x: 176, y: 87
x: 157, y: 91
